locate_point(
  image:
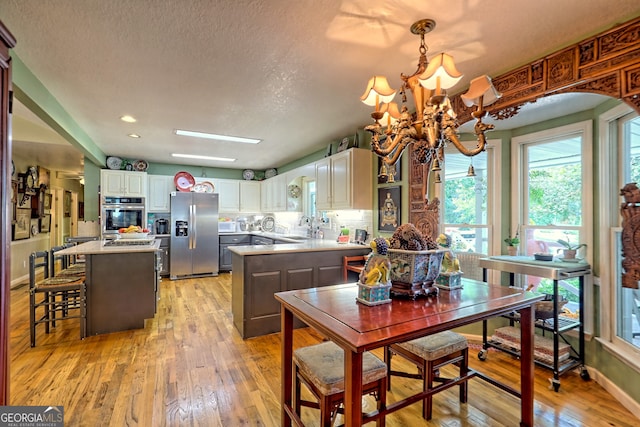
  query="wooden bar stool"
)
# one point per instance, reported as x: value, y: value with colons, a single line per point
x: 321, y: 368
x: 44, y: 291
x: 429, y: 354
x: 352, y: 263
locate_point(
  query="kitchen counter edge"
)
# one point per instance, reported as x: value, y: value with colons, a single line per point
x: 311, y: 245
x: 97, y: 247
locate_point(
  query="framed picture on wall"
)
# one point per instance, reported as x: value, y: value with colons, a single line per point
x: 45, y: 223
x: 67, y: 203
x: 22, y: 226
x: 47, y: 201
x: 389, y: 206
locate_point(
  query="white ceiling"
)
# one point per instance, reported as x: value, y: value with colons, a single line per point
x: 287, y: 72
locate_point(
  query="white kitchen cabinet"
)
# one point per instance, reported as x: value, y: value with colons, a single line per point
x: 123, y: 183
x: 345, y: 180
x: 250, y: 196
x: 160, y: 187
x: 274, y: 194
x: 229, y: 194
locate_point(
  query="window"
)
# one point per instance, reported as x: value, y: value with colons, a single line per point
x: 468, y: 210
x: 620, y: 159
x: 552, y: 200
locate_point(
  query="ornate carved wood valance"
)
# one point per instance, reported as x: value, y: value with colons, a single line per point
x: 605, y: 64
x: 630, y: 211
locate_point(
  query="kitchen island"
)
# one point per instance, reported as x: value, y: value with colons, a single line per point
x: 122, y: 284
x: 259, y: 271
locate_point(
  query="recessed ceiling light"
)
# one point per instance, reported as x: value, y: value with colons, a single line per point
x: 128, y: 119
x: 216, y: 136
x: 195, y: 156
x: 133, y: 135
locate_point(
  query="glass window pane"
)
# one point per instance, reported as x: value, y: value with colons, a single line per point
x: 555, y: 182
x: 465, y: 202
x: 631, y: 132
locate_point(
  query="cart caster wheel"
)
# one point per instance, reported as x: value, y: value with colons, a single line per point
x: 482, y: 355
x: 554, y: 384
x: 584, y: 374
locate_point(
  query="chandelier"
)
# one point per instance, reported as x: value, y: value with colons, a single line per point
x: 433, y: 125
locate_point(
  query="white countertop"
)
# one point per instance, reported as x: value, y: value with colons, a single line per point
x: 310, y: 245
x: 98, y: 247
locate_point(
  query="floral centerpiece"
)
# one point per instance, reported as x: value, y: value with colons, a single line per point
x: 415, y: 262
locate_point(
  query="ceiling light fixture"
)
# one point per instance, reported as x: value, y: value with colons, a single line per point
x: 217, y: 137
x: 128, y: 119
x: 196, y: 156
x: 433, y: 125
x: 133, y: 135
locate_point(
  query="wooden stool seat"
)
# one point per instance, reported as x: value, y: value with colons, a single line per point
x: 321, y: 368
x: 429, y: 354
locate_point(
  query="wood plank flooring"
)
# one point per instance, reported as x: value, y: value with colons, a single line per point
x: 189, y: 367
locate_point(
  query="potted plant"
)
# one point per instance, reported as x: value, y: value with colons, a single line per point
x: 569, y: 249
x: 513, y: 242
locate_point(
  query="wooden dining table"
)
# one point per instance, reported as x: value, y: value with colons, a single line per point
x: 334, y: 312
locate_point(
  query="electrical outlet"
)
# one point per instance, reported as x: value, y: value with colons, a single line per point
x: 325, y: 223
x: 24, y: 263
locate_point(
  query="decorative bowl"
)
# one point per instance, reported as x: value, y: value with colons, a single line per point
x: 543, y: 257
x: 134, y: 235
x: 415, y: 266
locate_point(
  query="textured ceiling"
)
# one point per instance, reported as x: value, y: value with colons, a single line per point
x: 287, y: 72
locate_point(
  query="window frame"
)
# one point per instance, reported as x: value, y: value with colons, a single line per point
x: 610, y: 179
x: 518, y: 187
x: 494, y: 190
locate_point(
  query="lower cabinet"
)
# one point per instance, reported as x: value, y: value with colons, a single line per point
x: 257, y: 277
x: 225, y: 254
x: 164, y: 255
x: 259, y: 240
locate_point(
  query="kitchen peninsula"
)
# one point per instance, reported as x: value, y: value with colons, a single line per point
x: 122, y: 284
x: 259, y: 271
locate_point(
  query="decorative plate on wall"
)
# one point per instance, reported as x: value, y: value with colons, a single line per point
x: 294, y: 191
x: 114, y: 163
x: 270, y: 173
x: 248, y: 174
x: 184, y: 181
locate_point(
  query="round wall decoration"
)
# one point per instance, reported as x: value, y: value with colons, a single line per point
x: 248, y: 174
x: 294, y: 191
x: 270, y: 173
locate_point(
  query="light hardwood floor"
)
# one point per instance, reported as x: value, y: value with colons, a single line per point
x: 189, y: 366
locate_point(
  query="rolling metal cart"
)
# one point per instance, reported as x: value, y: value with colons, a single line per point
x: 556, y: 324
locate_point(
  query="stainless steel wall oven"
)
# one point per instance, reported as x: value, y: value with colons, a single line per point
x: 121, y: 212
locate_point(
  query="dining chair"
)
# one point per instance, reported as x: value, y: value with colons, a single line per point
x: 321, y: 368
x: 53, y: 299
x: 352, y: 263
x: 429, y: 354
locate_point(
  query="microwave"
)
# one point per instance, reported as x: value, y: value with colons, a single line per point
x: 121, y: 212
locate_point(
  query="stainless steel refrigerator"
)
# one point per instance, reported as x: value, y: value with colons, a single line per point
x: 194, y: 235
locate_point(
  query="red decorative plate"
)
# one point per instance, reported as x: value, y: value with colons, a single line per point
x: 184, y: 181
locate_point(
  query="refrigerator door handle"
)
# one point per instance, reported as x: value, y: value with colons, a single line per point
x: 191, y: 225
x: 194, y: 233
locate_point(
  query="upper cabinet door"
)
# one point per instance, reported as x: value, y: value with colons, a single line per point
x: 250, y: 197
x: 123, y: 183
x: 160, y: 188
